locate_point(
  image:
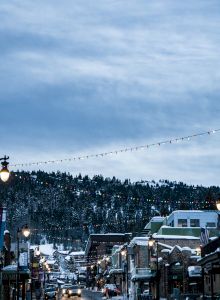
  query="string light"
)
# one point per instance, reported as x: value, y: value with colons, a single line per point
x: 135, y: 148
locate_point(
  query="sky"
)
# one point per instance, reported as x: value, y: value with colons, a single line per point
x: 84, y: 77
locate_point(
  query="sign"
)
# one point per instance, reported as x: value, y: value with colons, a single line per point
x: 23, y: 259
x: 2, y: 225
x: 153, y: 259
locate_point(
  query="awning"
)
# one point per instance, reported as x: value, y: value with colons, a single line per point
x: 115, y: 271
x: 141, y: 277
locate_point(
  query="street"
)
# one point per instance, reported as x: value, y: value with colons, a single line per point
x: 60, y: 297
x: 73, y: 297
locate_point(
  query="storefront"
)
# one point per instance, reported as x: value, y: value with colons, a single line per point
x: 9, y: 280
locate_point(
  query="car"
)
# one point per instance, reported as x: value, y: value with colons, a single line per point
x: 74, y: 290
x: 50, y: 293
x: 110, y: 290
x: 52, y: 285
x: 64, y: 288
x: 146, y: 295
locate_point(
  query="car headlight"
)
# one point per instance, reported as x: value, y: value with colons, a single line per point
x: 79, y: 292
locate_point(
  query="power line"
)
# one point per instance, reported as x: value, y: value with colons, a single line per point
x: 115, y: 152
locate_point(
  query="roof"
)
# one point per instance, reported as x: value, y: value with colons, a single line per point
x: 51, y: 262
x: 139, y: 277
x: 172, y: 236
x: 46, y: 249
x: 115, y: 271
x: 109, y: 239
x: 77, y: 253
x: 140, y: 241
x: 13, y: 269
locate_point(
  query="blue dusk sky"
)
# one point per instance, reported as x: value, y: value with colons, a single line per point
x: 80, y: 77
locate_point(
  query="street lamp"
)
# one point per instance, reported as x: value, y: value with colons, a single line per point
x: 4, y: 173
x: 25, y: 231
x: 218, y: 204
x: 151, y: 243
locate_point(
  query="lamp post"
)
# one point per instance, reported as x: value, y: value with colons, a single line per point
x: 4, y: 173
x: 35, y: 257
x: 151, y: 243
x: 124, y: 253
x: 24, y: 230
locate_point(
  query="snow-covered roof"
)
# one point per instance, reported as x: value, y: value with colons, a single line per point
x: 165, y: 245
x: 13, y: 268
x: 157, y: 219
x: 46, y: 249
x: 10, y: 268
x: 165, y: 251
x: 51, y: 262
x: 115, y: 271
x: 188, y: 211
x: 76, y: 253
x: 65, y: 252
x: 187, y: 248
x: 140, y: 241
x: 180, y: 237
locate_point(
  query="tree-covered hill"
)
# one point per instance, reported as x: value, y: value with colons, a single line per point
x: 66, y: 208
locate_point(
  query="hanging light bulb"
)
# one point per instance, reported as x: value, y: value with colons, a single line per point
x: 26, y: 231
x: 4, y: 173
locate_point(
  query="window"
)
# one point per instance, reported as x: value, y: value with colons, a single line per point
x: 194, y: 223
x: 182, y: 222
x: 171, y: 224
x: 210, y: 224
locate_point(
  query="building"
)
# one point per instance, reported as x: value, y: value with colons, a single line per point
x: 193, y: 218
x: 184, y: 223
x: 99, y: 246
x: 210, y: 263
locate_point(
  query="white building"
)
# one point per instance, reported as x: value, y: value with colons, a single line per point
x: 193, y: 218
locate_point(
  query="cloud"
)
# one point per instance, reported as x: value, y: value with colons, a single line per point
x: 78, y: 75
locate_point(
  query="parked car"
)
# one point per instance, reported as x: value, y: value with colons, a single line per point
x: 50, y: 293
x: 146, y: 295
x: 74, y: 290
x: 64, y: 288
x: 110, y: 290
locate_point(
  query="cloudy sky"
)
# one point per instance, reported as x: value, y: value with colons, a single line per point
x: 80, y: 77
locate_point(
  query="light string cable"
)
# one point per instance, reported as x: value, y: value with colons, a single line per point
x: 135, y: 148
